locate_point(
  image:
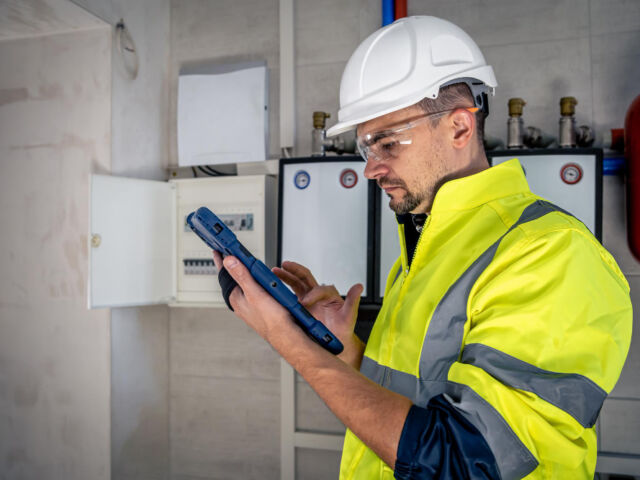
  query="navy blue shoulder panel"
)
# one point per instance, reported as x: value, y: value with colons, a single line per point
x: 437, y: 442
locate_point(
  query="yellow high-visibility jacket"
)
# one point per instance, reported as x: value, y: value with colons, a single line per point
x: 513, y: 316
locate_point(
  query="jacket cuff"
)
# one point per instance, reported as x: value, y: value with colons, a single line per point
x: 414, y: 425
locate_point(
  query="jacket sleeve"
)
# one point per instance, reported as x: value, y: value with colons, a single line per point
x: 549, y: 327
x: 438, y: 442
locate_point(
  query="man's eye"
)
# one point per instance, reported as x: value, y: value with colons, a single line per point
x: 388, y: 145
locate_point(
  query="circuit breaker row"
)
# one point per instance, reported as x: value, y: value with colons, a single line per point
x: 199, y: 266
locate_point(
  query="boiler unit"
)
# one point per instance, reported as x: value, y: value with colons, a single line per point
x: 325, y: 219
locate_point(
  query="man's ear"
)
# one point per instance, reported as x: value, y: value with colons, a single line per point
x: 463, y: 126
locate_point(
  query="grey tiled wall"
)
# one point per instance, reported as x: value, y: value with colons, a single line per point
x: 224, y: 397
x: 547, y: 49
x: 224, y: 380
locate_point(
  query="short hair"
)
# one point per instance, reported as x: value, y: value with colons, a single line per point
x: 452, y: 96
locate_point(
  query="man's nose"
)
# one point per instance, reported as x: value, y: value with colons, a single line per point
x: 375, y: 169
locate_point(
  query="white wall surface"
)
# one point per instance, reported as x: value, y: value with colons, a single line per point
x: 139, y: 340
x: 55, y: 106
x: 34, y: 18
x: 140, y: 106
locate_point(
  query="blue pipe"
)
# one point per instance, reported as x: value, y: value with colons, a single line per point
x: 387, y: 12
x: 613, y: 166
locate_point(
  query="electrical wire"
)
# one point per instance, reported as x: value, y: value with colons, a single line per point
x: 217, y: 172
x: 212, y: 172
x: 125, y: 44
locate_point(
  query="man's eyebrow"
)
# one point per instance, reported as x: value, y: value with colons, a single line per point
x: 377, y: 137
x: 380, y: 135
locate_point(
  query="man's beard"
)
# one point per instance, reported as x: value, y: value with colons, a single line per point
x: 409, y: 202
x: 406, y: 204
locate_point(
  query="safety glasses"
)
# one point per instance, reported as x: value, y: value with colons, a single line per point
x: 389, y: 143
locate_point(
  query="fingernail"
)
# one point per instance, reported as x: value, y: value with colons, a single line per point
x: 230, y: 262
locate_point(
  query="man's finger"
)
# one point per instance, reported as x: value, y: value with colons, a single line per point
x: 325, y: 292
x: 299, y: 288
x: 251, y: 289
x: 238, y: 302
x: 302, y: 272
x: 352, y: 300
x: 217, y: 259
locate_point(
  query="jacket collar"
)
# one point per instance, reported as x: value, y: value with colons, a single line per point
x: 465, y: 193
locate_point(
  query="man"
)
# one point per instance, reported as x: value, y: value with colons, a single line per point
x: 504, y: 323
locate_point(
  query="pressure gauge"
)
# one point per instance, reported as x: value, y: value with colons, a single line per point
x: 301, y: 179
x: 348, y: 178
x: 571, y: 173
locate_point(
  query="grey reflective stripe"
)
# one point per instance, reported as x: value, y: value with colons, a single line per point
x: 443, y: 340
x: 512, y: 457
x: 417, y: 390
x: 577, y: 395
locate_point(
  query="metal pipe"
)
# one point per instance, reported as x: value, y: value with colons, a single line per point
x: 400, y: 9
x: 387, y: 12
x: 515, y: 124
x: 320, y: 144
x: 567, y: 132
x: 319, y: 134
x: 584, y: 136
x: 287, y: 78
x: 535, y: 138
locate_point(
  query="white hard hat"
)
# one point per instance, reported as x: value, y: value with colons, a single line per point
x: 403, y: 63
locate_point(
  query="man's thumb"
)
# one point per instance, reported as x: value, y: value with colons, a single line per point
x: 352, y: 300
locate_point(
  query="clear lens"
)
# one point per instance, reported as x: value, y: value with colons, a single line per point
x: 389, y: 143
x: 383, y: 147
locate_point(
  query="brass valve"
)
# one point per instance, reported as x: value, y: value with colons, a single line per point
x: 319, y: 119
x: 515, y: 107
x: 568, y: 106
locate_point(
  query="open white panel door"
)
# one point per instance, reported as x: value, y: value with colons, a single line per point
x: 132, y: 234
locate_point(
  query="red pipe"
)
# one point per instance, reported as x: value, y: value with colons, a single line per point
x: 632, y: 153
x: 401, y: 9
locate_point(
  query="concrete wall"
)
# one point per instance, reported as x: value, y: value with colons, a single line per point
x: 540, y: 51
x: 55, y: 111
x: 543, y: 51
x: 139, y: 336
x: 67, y: 110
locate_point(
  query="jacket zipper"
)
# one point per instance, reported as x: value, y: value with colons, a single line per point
x: 415, y: 250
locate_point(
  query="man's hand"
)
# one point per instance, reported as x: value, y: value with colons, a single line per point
x: 376, y: 415
x: 325, y: 304
x: 253, y: 304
